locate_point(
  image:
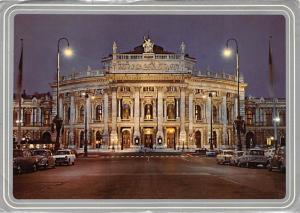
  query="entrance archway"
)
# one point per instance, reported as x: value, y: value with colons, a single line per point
x: 126, y: 139
x: 171, y: 142
x: 148, y: 137
x: 46, y: 137
x: 198, y: 139
x: 250, y: 140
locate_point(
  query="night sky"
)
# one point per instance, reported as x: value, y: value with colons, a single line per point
x: 91, y: 37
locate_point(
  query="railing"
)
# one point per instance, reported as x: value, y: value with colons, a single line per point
x: 219, y: 75
x: 141, y: 56
x: 95, y: 73
x: 83, y: 74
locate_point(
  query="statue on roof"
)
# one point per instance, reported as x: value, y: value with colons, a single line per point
x: 182, y: 48
x: 114, y: 47
x: 148, y: 45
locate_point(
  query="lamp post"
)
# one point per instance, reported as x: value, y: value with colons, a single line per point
x: 238, y: 123
x: 210, y: 95
x: 86, y: 96
x: 58, y: 121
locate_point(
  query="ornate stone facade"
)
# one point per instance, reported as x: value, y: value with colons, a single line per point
x: 36, y: 119
x: 150, y: 98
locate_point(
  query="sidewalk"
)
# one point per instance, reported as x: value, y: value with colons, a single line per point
x: 133, y: 150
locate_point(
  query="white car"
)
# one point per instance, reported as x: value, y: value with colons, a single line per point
x: 253, y: 157
x: 225, y: 156
x: 64, y: 156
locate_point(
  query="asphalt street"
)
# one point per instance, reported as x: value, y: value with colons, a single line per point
x: 149, y: 176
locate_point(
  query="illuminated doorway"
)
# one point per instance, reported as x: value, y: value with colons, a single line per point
x: 171, y: 142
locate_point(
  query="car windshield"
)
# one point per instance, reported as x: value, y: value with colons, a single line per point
x: 40, y: 152
x: 18, y: 153
x: 257, y: 152
x: 62, y: 152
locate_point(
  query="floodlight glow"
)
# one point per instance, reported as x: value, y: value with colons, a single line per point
x: 68, y: 52
x: 227, y: 52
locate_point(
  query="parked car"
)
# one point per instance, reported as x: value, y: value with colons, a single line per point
x: 235, y: 158
x: 269, y: 153
x: 23, y: 160
x: 224, y: 156
x: 278, y: 160
x: 45, y: 158
x: 253, y: 157
x: 210, y: 153
x: 64, y: 156
x: 201, y: 151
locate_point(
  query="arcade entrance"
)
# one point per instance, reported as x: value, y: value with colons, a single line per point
x: 171, y: 140
x: 148, y: 137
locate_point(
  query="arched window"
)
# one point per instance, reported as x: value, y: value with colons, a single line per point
x: 68, y: 114
x: 171, y: 111
x: 198, y: 112
x: 27, y: 117
x: 81, y: 114
x: 148, y: 112
x: 125, y: 111
x: 282, y: 118
x: 46, y: 137
x: 250, y: 116
x: 269, y: 118
x: 215, y: 114
x: 99, y: 113
x: 47, y: 117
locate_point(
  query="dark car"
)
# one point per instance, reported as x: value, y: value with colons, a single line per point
x: 23, y: 160
x: 278, y: 160
x: 45, y: 158
x: 201, y: 151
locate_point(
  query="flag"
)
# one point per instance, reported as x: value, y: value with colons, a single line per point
x: 20, y: 73
x: 271, y: 73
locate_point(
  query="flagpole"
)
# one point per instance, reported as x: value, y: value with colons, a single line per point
x: 272, y: 94
x: 19, y: 86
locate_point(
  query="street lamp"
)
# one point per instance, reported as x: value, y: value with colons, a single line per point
x: 210, y: 95
x: 238, y: 123
x: 58, y: 121
x: 86, y: 96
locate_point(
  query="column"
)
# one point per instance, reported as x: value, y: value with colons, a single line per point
x: 38, y: 115
x: 72, y: 121
x: 177, y: 108
x: 105, y: 118
x: 257, y: 116
x: 61, y: 111
x: 235, y: 109
x: 182, y: 134
x: 114, y: 134
x: 191, y: 121
x: 224, y: 121
x: 136, y: 133
x: 119, y: 109
x: 142, y: 112
x: 160, y: 103
x: 31, y: 116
